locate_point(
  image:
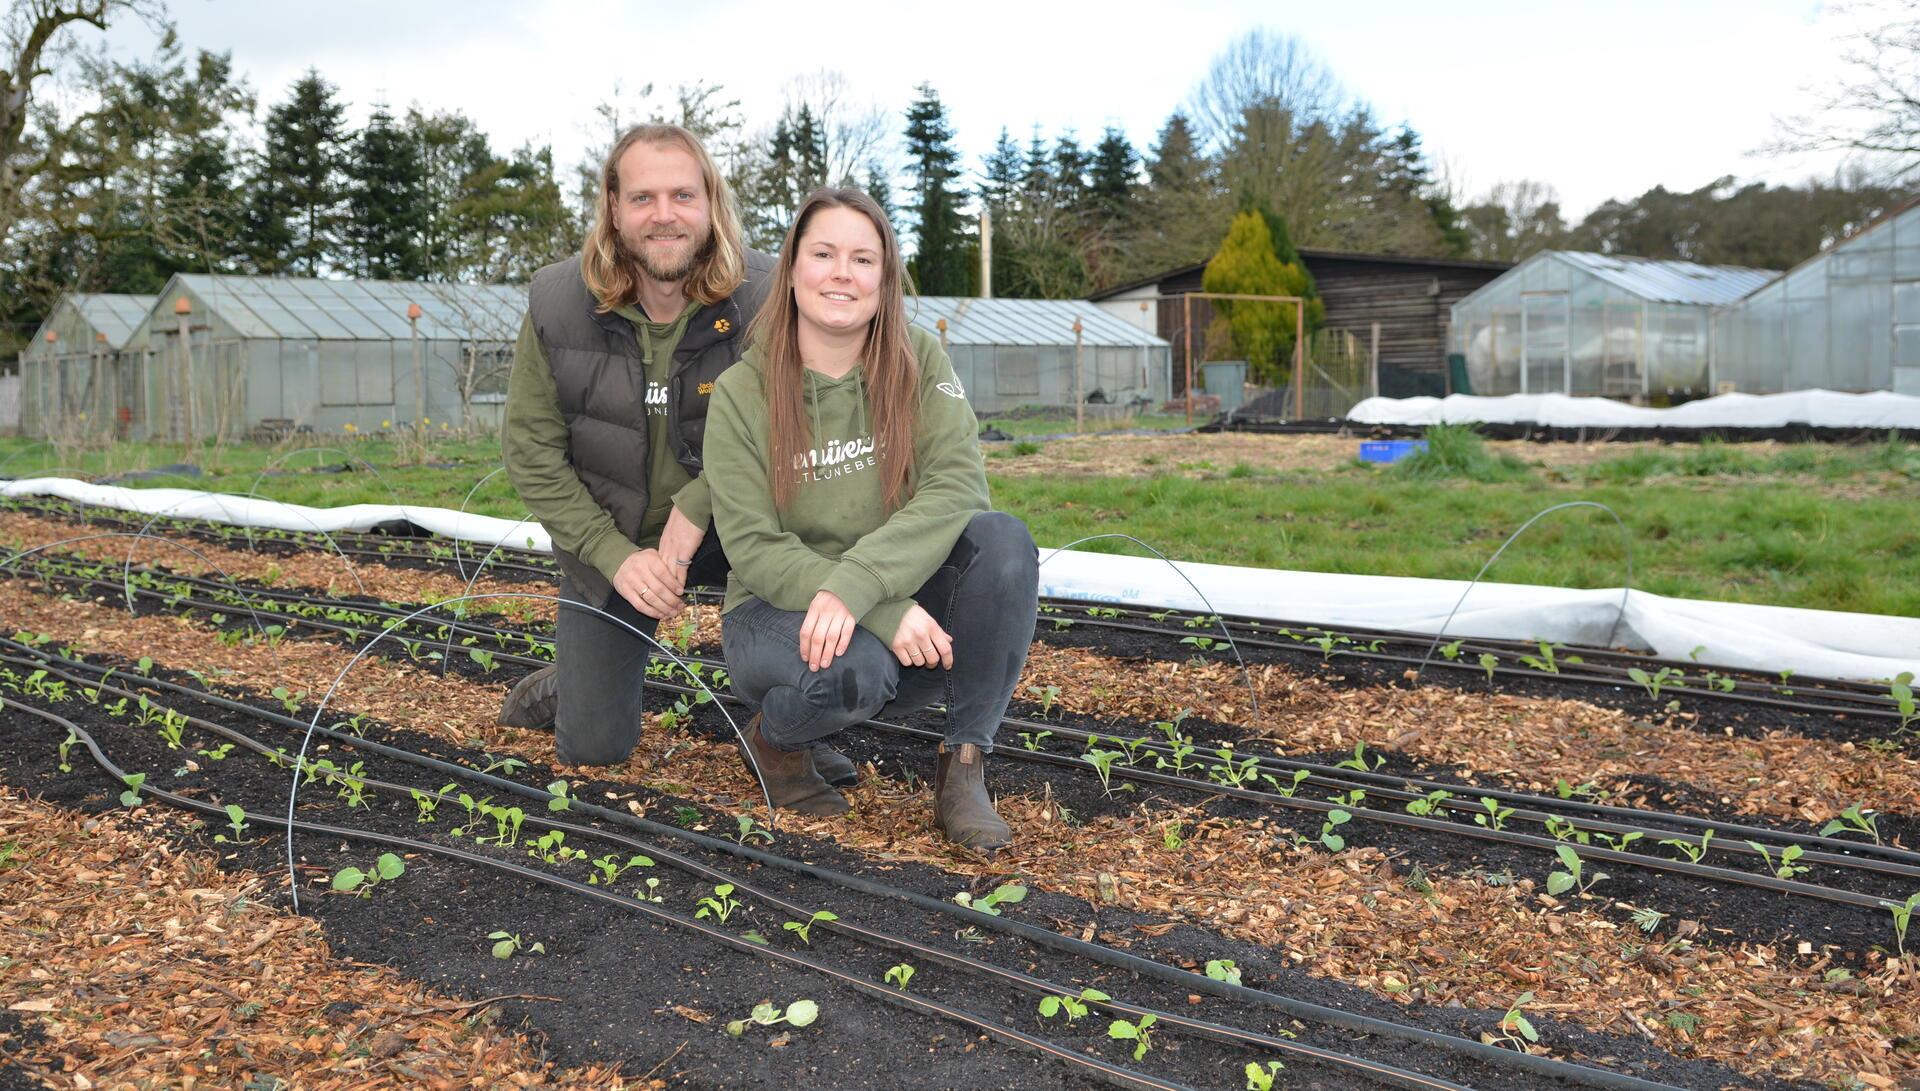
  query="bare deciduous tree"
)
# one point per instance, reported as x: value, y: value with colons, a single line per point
x: 1277, y: 72
x: 1875, y: 111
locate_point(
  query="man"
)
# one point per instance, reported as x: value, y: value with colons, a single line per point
x: 606, y: 407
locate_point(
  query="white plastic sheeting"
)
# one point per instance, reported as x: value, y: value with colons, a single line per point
x: 1765, y: 638
x: 1814, y: 408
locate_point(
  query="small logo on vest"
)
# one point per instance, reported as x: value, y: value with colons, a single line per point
x: 952, y: 389
x: 721, y: 325
x: 705, y: 388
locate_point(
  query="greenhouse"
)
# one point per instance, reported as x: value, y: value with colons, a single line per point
x: 83, y: 364
x: 1569, y: 322
x: 1014, y: 352
x: 1846, y: 319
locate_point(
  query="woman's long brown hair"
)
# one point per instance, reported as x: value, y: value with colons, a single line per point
x: 890, y: 372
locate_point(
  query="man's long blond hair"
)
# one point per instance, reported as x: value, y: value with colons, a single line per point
x: 613, y: 275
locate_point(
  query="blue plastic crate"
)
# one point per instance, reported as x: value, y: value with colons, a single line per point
x: 1389, y: 450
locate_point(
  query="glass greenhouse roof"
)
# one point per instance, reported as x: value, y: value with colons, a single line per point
x: 974, y: 321
x: 301, y: 308
x: 1667, y: 281
x: 117, y: 316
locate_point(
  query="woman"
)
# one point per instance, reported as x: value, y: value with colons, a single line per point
x: 868, y: 572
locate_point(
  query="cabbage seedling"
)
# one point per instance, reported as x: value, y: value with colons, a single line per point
x: 133, y: 781
x: 1562, y: 829
x: 899, y: 975
x: 804, y: 929
x: 1102, y: 762
x: 236, y: 821
x: 720, y: 906
x: 611, y: 868
x: 1135, y: 1032
x: 508, y: 944
x: 1515, y: 1029
x: 1902, y: 917
x: 1853, y: 819
x: 1429, y: 803
x: 1495, y: 817
x: 1785, y: 869
x: 1902, y: 693
x: 751, y: 830
x: 172, y: 725
x: 1359, y: 760
x: 1231, y: 772
x: 560, y: 801
x: 551, y: 847
x: 1574, y: 877
x: 1004, y: 894
x: 1653, y: 683
x: 1286, y: 791
x: 1261, y: 1079
x: 1691, y: 851
x: 427, y: 802
x: 66, y: 745
x: 800, y: 1013
x: 1032, y: 739
x: 351, y: 880
x: 1488, y: 661
x: 1047, y: 696
x: 1182, y: 750
x: 1333, y: 841
x: 1451, y: 651
x: 1074, y: 1007
x: 1223, y: 969
x: 483, y: 658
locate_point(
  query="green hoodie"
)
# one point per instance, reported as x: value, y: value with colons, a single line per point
x: 837, y: 535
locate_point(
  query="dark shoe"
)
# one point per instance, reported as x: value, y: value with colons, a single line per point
x: 533, y: 701
x: 834, y: 767
x: 789, y: 776
x: 961, y: 805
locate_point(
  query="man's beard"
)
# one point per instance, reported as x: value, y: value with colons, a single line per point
x: 668, y: 274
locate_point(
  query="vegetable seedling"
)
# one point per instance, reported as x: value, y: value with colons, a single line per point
x: 1004, y: 894
x: 1785, y: 867
x: 1223, y: 969
x: 1495, y: 817
x: 899, y: 975
x: 1574, y: 877
x: 1853, y: 820
x: 1359, y: 761
x: 1138, y: 1033
x: 351, y: 880
x: 1515, y: 1029
x: 1102, y: 762
x: 1074, y: 1007
x: 751, y: 830
x: 1902, y: 917
x: 800, y: 1013
x: 508, y: 944
x: 804, y: 929
x: 1032, y: 739
x: 66, y: 745
x: 1047, y: 696
x: 610, y: 868
x: 1333, y: 841
x: 1653, y: 683
x: 560, y: 801
x: 1693, y: 852
x: 720, y: 906
x: 1428, y: 804
x: 133, y: 781
x: 236, y: 821
x: 1261, y: 1079
x: 1488, y: 661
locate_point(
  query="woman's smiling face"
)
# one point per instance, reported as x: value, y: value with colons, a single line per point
x: 837, y: 274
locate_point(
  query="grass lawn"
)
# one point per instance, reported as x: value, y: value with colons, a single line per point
x: 1819, y: 526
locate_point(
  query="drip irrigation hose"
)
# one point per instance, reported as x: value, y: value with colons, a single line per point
x: 1106, y: 1071
x: 1202, y: 1028
x: 1306, y: 1011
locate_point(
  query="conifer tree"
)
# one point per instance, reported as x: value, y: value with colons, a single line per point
x: 940, y: 262
x: 296, y: 210
x: 386, y: 202
x: 1248, y: 264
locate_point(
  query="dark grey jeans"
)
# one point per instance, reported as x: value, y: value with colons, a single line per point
x: 984, y: 596
x: 603, y: 667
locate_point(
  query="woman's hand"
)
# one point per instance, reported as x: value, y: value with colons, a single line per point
x: 827, y: 630
x: 921, y: 642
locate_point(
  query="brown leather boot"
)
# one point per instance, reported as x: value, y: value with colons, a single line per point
x: 834, y: 767
x: 961, y: 805
x: 789, y: 776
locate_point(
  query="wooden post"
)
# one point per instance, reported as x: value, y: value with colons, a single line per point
x: 1300, y: 359
x: 1079, y: 403
x: 49, y: 386
x: 1374, y: 359
x: 419, y: 372
x: 941, y: 325
x: 184, y: 311
x: 1186, y: 301
x: 96, y: 378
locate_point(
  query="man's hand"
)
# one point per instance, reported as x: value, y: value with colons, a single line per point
x: 680, y: 540
x: 827, y: 630
x: 651, y: 583
x: 921, y: 642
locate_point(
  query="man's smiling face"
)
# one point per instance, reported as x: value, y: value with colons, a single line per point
x: 661, y: 211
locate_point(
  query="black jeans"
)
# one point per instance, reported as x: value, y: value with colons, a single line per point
x: 984, y: 596
x: 603, y: 667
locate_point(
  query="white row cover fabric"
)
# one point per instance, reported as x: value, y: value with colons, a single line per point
x: 1722, y: 634
x: 1813, y: 408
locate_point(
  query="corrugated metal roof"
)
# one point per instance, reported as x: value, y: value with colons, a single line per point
x: 1667, y: 281
x: 972, y: 321
x: 117, y: 316
x: 302, y: 308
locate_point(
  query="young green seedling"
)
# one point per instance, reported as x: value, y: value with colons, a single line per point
x: 1137, y: 1033
x: 508, y: 944
x: 720, y: 906
x: 800, y: 1013
x: 351, y: 880
x: 1032, y: 739
x: 1652, y: 683
x: 1261, y: 1079
x: 1902, y: 916
x: 427, y: 802
x: 66, y: 745
x: 1102, y: 762
x: 1901, y: 690
x: 1047, y: 696
x: 1785, y: 868
x: 551, y: 847
x: 1359, y: 761
x: 1854, y: 820
x: 1004, y: 894
x: 1333, y: 841
x: 1574, y: 877
x: 1287, y: 790
x: 1073, y: 1007
x: 236, y: 821
x: 610, y: 868
x: 1488, y: 661
x: 1495, y: 817
x: 1223, y: 969
x: 1515, y: 1029
x: 133, y: 781
x: 750, y: 830
x: 1429, y: 804
x: 899, y: 975
x: 1693, y: 852
x: 1451, y: 651
x: 561, y: 800
x: 804, y: 929
x: 1563, y: 829
x: 483, y: 658
x: 1233, y: 772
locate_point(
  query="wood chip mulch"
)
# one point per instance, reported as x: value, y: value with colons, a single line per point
x: 1529, y: 741
x: 1347, y: 916
x: 130, y: 964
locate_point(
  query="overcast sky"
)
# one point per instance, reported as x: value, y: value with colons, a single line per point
x: 1598, y: 99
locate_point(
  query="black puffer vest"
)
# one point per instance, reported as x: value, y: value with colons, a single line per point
x: 600, y: 379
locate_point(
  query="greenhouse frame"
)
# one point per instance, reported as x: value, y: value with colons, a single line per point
x: 1571, y: 322
x: 1846, y: 319
x: 1010, y: 353
x: 83, y: 362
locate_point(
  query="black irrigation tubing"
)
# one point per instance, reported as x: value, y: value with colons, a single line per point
x: 1106, y: 1071
x: 1202, y: 1028
x: 1850, y: 860
x: 1253, y: 632
x: 1859, y: 856
x: 1306, y: 1011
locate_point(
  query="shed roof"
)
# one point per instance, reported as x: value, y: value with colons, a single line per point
x: 117, y: 316
x: 972, y: 321
x: 1669, y: 281
x: 302, y: 308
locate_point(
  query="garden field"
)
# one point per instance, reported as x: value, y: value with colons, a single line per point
x: 1248, y: 853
